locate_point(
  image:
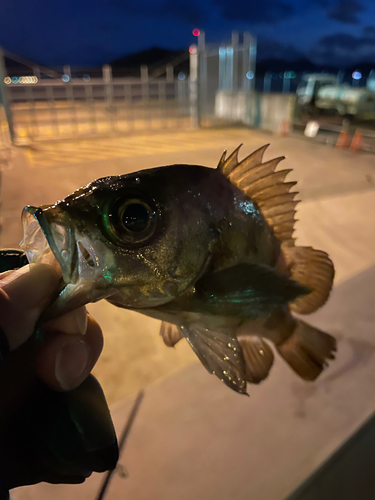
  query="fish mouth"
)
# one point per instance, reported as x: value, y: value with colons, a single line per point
x: 50, y: 238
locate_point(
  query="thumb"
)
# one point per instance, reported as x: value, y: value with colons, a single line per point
x: 24, y: 294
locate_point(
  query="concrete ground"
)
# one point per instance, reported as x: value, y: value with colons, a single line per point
x: 194, y: 438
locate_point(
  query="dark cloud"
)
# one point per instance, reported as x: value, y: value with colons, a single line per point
x: 250, y: 11
x: 324, y: 3
x: 190, y: 12
x: 369, y: 32
x: 344, y: 50
x: 346, y: 11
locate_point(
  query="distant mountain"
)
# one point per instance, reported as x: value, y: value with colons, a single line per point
x: 365, y: 67
x: 155, y: 55
x: 155, y: 58
x: 305, y: 65
x: 270, y: 49
x: 284, y: 58
x: 299, y: 66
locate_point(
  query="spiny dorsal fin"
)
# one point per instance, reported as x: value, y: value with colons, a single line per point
x: 251, y: 161
x: 227, y: 165
x: 256, y: 172
x: 221, y: 163
x: 266, y: 187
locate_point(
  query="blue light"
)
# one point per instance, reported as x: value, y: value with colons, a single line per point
x: 249, y: 75
x: 15, y: 79
x: 65, y: 78
x: 181, y: 75
x: 86, y: 78
x: 222, y: 51
x: 356, y: 75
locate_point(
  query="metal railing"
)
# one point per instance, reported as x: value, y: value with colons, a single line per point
x: 72, y: 107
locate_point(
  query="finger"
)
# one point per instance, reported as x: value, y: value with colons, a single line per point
x: 66, y: 359
x: 23, y: 296
x: 72, y: 322
x: 6, y: 274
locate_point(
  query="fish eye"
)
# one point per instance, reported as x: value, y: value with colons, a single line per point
x: 136, y: 216
x: 130, y: 221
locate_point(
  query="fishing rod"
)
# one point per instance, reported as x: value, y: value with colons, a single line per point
x: 123, y: 438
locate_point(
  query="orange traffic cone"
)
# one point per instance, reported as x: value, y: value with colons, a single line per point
x: 284, y: 128
x: 343, y: 140
x: 356, y: 142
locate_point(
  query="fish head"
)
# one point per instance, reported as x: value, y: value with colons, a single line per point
x: 140, y: 240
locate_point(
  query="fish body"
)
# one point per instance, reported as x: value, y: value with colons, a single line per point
x: 208, y: 251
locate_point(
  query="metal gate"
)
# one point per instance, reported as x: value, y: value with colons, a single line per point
x: 220, y: 71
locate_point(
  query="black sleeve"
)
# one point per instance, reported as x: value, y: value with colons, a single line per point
x: 12, y: 259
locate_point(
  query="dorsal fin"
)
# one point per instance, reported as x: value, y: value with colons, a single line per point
x: 221, y: 163
x: 249, y: 162
x: 227, y: 165
x: 266, y: 187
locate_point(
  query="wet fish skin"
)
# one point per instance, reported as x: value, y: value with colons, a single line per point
x: 209, y: 226
x: 150, y: 240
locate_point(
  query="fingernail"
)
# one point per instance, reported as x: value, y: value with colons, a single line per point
x: 71, y: 364
x: 74, y: 322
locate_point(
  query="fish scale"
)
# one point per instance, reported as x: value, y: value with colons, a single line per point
x: 209, y: 252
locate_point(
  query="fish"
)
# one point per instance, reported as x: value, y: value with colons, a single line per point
x: 208, y: 251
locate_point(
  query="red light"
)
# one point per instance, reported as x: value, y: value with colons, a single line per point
x: 192, y: 49
x: 196, y: 32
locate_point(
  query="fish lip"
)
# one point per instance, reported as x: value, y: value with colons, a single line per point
x: 53, y: 225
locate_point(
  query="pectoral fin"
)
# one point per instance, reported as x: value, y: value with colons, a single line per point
x: 258, y: 357
x: 245, y: 291
x: 171, y: 333
x: 220, y: 354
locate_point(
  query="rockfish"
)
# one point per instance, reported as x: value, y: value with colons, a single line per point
x: 210, y: 252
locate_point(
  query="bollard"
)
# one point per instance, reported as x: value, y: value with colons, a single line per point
x: 343, y: 140
x: 356, y: 144
x: 284, y: 129
x: 311, y: 129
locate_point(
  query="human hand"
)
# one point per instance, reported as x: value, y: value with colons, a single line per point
x: 63, y: 432
x: 72, y: 343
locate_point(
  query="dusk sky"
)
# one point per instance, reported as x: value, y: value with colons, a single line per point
x: 87, y: 32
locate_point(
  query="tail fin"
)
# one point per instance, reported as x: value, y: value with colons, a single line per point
x: 307, y: 350
x: 311, y: 268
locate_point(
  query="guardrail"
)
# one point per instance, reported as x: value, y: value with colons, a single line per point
x: 73, y: 108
